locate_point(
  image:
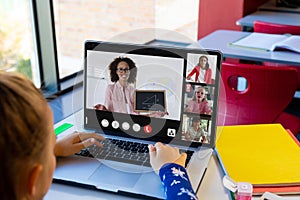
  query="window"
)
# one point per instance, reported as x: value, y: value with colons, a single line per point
x: 137, y: 21
x: 16, y: 39
x: 29, y: 44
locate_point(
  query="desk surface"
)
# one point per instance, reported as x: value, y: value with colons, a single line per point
x: 271, y: 6
x: 220, y: 39
x: 211, y: 188
x: 269, y: 16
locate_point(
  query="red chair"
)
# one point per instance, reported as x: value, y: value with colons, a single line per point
x: 268, y: 92
x: 273, y: 28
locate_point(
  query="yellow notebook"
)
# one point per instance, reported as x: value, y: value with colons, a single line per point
x: 263, y: 155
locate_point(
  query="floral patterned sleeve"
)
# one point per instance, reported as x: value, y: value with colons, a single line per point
x: 176, y: 182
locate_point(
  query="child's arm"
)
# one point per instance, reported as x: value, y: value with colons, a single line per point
x: 176, y: 182
x: 173, y: 175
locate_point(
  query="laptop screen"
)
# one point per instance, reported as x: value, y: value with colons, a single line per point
x: 152, y: 93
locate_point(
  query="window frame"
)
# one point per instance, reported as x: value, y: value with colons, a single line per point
x: 45, y: 45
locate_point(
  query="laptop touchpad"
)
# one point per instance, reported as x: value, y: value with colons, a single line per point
x: 105, y: 175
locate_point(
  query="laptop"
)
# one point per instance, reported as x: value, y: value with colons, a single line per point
x: 146, y: 100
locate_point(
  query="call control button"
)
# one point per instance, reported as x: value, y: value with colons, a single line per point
x: 147, y: 129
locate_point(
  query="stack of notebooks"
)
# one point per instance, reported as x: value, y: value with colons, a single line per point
x: 267, y: 156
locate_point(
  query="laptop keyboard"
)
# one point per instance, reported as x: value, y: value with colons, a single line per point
x: 123, y: 151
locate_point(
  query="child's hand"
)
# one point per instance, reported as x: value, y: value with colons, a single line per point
x: 76, y: 141
x: 161, y: 154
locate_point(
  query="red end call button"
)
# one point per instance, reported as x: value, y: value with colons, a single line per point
x: 147, y: 129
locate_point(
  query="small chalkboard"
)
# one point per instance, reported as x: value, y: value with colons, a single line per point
x: 150, y: 100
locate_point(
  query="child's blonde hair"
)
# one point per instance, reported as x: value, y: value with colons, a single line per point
x: 195, y: 91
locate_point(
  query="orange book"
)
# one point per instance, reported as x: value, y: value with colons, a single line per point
x: 293, y: 136
x: 278, y: 190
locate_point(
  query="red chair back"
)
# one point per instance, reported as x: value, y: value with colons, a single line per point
x: 269, y: 91
x: 273, y: 28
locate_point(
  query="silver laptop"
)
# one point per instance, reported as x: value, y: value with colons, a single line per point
x: 157, y: 103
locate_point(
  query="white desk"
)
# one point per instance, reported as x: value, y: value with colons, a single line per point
x: 211, y: 188
x: 220, y: 39
x: 269, y: 16
x: 271, y: 6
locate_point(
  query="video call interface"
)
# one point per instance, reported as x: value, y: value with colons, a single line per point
x: 152, y: 96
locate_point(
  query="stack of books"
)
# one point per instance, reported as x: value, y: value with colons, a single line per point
x: 267, y: 156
